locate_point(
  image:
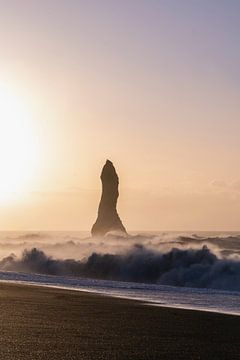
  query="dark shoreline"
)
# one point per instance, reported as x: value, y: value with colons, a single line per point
x: 49, y: 323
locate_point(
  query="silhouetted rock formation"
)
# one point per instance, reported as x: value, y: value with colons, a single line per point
x: 108, y: 219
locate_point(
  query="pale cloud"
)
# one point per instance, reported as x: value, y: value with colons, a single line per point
x: 231, y: 186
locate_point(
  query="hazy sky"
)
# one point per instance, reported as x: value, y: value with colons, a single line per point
x: 152, y: 85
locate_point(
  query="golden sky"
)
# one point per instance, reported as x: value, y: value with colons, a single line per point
x: 151, y: 85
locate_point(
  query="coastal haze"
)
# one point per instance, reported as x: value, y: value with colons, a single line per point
x: 119, y: 179
x: 151, y: 85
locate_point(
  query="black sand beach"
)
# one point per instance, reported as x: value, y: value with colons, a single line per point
x: 45, y: 323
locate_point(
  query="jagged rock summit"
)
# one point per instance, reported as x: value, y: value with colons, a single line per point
x: 108, y: 218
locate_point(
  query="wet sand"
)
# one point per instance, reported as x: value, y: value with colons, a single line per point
x: 45, y: 323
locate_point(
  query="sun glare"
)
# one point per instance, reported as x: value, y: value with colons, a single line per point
x: 17, y: 145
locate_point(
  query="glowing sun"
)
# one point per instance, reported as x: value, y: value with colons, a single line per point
x: 17, y: 145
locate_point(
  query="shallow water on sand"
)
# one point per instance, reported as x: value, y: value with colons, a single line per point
x: 186, y: 270
x: 225, y: 302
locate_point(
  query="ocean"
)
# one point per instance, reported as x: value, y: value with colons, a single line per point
x: 178, y: 269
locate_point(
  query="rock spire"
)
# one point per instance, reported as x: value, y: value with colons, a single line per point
x: 108, y: 218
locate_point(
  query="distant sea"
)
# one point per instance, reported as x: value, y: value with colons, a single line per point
x: 198, y: 270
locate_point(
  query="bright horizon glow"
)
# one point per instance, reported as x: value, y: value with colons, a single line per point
x: 152, y: 85
x: 17, y: 145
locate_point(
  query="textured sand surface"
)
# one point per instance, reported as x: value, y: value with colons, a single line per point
x: 45, y: 323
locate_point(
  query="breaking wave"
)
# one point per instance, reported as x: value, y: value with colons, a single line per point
x: 201, y: 267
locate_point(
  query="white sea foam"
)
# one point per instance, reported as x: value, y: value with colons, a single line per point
x: 168, y: 296
x: 203, y: 269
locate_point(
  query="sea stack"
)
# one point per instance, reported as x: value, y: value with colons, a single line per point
x: 108, y: 218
